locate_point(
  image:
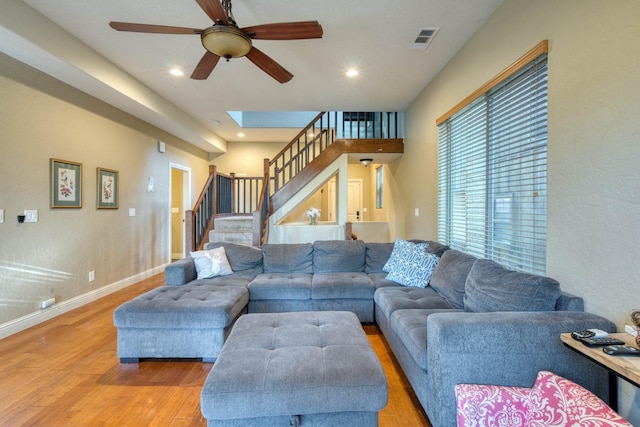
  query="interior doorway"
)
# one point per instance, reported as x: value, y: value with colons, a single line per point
x: 354, y: 200
x: 180, y: 202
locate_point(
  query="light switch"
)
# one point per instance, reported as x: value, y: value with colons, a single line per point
x: 31, y: 215
x: 417, y: 212
x: 175, y: 210
x: 132, y: 211
x: 1, y: 216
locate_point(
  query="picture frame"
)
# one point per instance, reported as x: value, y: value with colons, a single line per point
x: 107, y: 191
x: 66, y: 184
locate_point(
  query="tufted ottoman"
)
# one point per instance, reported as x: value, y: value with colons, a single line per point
x: 304, y: 368
x: 188, y: 321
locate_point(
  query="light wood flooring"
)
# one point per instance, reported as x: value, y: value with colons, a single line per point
x: 65, y: 372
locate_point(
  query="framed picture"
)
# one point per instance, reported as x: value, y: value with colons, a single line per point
x: 107, y: 190
x: 66, y: 184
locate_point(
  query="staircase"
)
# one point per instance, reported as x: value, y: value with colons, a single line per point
x: 253, y: 199
x: 232, y: 229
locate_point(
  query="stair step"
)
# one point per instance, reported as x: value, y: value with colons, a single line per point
x: 234, y: 223
x: 241, y: 237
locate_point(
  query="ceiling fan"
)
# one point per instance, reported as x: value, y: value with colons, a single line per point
x: 225, y: 39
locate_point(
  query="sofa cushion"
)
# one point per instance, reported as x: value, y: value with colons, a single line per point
x: 414, y: 269
x: 288, y: 257
x: 188, y: 306
x: 410, y: 325
x: 380, y: 280
x: 436, y: 248
x: 391, y: 299
x: 211, y: 263
x: 450, y: 275
x: 244, y: 259
x: 343, y: 285
x: 401, y: 249
x: 332, y: 256
x: 377, y: 255
x: 281, y: 286
x: 491, y: 287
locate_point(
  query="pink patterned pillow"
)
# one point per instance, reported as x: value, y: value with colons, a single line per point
x: 489, y: 406
x: 556, y: 401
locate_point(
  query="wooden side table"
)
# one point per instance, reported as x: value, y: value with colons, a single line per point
x: 625, y: 367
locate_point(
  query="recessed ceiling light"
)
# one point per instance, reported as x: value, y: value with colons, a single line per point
x: 176, y: 72
x: 216, y: 122
x: 240, y: 135
x: 352, y: 72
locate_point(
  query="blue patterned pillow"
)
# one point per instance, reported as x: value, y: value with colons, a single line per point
x: 401, y: 249
x: 414, y: 267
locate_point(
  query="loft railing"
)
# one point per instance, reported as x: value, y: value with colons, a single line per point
x: 323, y: 130
x: 221, y: 195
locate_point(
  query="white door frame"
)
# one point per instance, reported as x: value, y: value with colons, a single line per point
x: 186, y: 201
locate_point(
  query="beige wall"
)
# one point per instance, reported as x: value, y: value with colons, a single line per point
x: 41, y: 118
x: 246, y: 157
x: 594, y: 142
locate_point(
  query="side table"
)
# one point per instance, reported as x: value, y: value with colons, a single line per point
x: 625, y: 367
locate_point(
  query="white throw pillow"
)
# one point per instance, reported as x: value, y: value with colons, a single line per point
x: 211, y: 263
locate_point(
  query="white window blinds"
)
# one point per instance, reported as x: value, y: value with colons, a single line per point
x: 493, y: 172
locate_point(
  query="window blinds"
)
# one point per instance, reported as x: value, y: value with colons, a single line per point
x: 493, y: 172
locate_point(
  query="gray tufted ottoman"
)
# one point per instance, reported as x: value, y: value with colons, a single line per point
x: 188, y: 321
x: 302, y: 368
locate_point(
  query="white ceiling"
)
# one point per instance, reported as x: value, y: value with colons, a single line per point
x: 130, y: 70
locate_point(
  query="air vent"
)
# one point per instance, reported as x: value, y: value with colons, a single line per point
x: 425, y: 35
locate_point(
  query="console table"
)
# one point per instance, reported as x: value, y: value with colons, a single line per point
x: 625, y: 367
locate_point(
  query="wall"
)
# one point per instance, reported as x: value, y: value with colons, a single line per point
x: 246, y: 157
x: 594, y: 179
x: 41, y: 118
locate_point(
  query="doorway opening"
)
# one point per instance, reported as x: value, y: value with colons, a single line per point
x: 180, y: 202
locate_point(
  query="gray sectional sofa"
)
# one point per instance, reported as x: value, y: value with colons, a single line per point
x: 476, y: 322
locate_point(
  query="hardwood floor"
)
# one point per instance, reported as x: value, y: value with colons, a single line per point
x: 65, y: 372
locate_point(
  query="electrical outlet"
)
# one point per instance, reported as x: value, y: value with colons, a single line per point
x: 92, y: 276
x: 417, y: 212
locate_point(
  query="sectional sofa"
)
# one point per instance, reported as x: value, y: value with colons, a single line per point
x: 475, y: 322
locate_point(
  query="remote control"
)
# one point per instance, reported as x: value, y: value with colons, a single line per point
x: 594, y: 342
x: 621, y: 350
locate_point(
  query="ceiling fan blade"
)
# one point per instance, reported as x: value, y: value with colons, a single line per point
x: 268, y: 65
x: 150, y: 28
x: 214, y: 10
x: 205, y: 66
x: 286, y: 31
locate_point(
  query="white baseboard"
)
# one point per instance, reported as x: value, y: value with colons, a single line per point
x: 32, y: 319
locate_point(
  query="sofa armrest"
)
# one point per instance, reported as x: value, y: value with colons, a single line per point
x: 180, y: 272
x: 505, y: 348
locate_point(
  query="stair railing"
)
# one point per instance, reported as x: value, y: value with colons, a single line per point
x: 199, y: 220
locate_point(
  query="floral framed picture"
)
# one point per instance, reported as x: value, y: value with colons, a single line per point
x: 107, y: 190
x: 66, y: 184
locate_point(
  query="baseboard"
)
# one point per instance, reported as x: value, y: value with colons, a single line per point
x: 37, y: 317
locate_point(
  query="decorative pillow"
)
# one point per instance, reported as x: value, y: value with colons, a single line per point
x: 489, y: 405
x: 211, y: 263
x: 491, y: 287
x: 414, y: 267
x: 400, y: 248
x: 556, y: 401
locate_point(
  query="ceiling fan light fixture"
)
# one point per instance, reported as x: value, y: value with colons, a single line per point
x: 226, y: 41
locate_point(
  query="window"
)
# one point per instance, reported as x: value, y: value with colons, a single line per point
x: 379, y: 184
x: 493, y: 168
